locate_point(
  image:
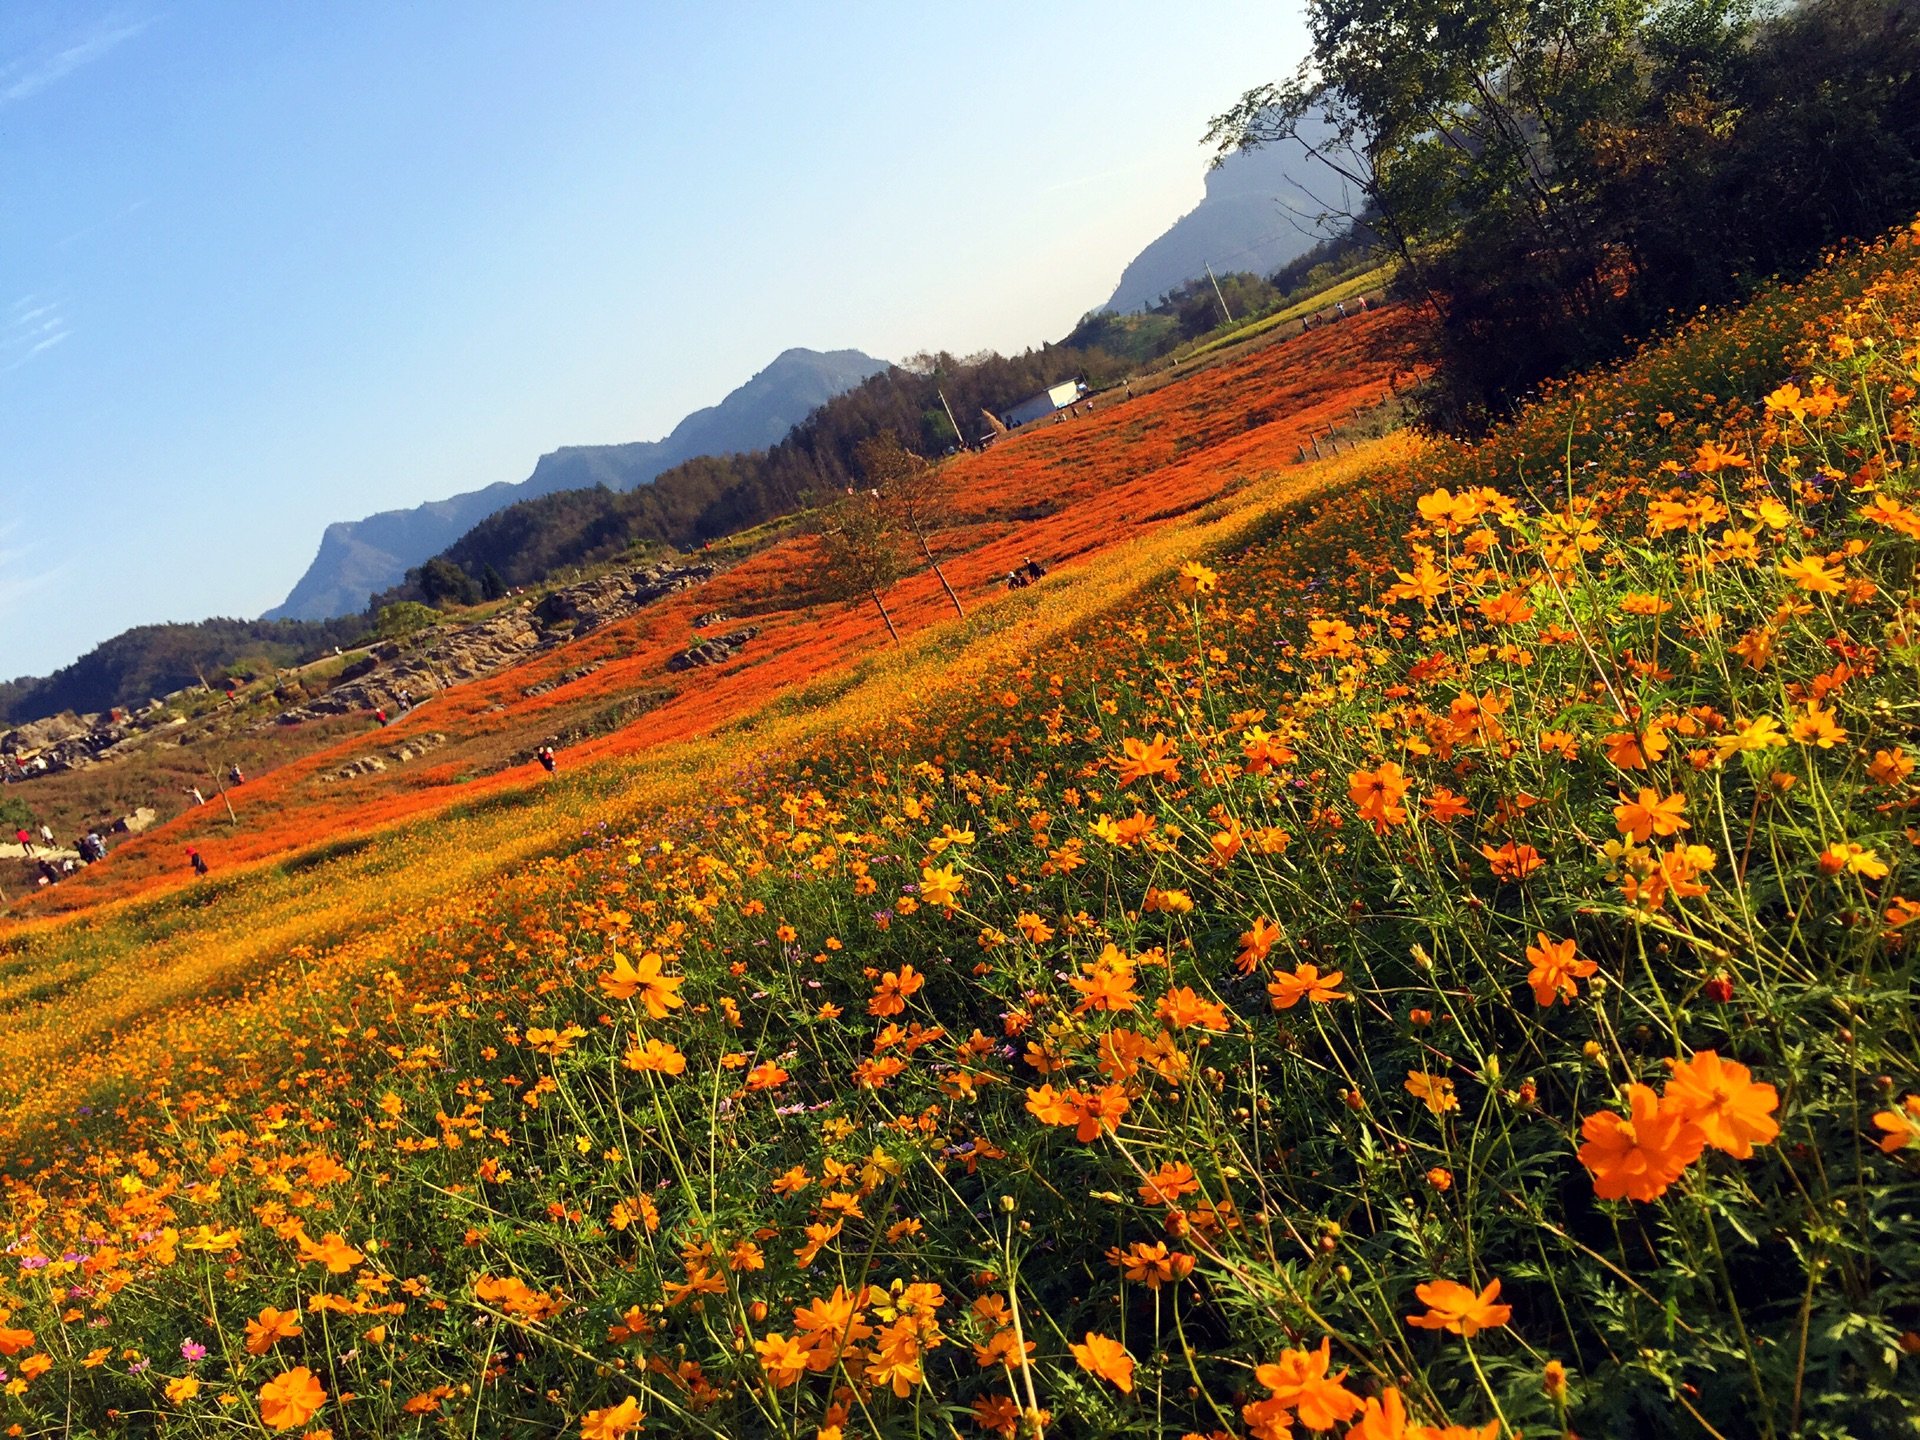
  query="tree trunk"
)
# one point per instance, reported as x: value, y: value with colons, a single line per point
x: 881, y: 606
x: 941, y: 576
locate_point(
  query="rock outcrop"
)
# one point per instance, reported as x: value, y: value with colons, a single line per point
x: 416, y: 746
x: 713, y: 650
x: 71, y: 742
x: 437, y: 659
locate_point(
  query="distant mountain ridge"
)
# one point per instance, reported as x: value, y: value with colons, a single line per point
x: 359, y: 558
x: 1257, y: 215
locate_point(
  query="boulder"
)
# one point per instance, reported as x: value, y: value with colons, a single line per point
x: 714, y: 650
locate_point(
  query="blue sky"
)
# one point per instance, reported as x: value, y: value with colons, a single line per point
x: 263, y: 267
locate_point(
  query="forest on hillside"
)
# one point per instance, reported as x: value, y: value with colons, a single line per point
x: 149, y: 661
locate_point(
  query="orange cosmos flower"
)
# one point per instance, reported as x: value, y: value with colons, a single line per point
x: 658, y: 991
x: 1455, y: 1308
x: 895, y: 989
x: 333, y: 1252
x: 1890, y: 767
x: 270, y: 1329
x: 1139, y: 760
x: 1151, y: 1264
x: 1902, y: 1126
x: 1050, y: 1106
x: 613, y: 1423
x: 291, y: 1399
x: 940, y: 887
x: 656, y: 1057
x: 1107, y: 983
x: 1306, y: 983
x: 1167, y: 1184
x: 1379, y: 794
x: 1817, y: 727
x: 1106, y: 1357
x: 1845, y: 855
x: 1184, y: 1007
x: 1732, y: 1109
x: 1638, y: 1156
x: 1711, y: 456
x: 1556, y: 973
x: 1383, y: 1418
x: 1197, y: 579
x: 1632, y: 750
x: 1300, y: 1383
x: 1512, y: 861
x: 1650, y: 814
x: 782, y: 1360
x: 1435, y: 1090
x: 554, y: 1042
x: 180, y: 1391
x: 1033, y: 927
x: 1811, y: 574
x: 1256, y: 944
x: 1097, y: 1111
x: 766, y: 1076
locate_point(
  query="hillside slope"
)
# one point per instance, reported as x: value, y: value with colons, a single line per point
x: 1400, y: 946
x: 358, y: 558
x: 1061, y: 493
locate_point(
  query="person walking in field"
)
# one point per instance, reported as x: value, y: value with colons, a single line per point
x: 25, y: 837
x: 197, y: 860
x: 46, y: 835
x: 548, y: 760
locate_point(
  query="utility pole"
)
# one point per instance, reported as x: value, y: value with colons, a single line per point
x: 1217, y: 295
x: 221, y: 785
x: 958, y: 438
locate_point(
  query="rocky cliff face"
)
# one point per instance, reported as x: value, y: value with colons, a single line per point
x: 1258, y: 213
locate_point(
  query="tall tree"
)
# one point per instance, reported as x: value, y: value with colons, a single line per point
x: 913, y: 491
x: 859, y: 555
x: 1482, y: 128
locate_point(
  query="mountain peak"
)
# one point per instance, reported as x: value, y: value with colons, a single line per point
x: 1258, y: 213
x: 359, y: 558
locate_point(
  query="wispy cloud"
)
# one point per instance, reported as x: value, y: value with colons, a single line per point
x: 31, y: 326
x: 88, y: 231
x: 51, y: 61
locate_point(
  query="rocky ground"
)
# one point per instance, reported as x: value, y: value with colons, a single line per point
x: 445, y: 656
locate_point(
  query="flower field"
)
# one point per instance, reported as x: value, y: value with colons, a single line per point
x: 1412, y: 946
x: 1058, y: 492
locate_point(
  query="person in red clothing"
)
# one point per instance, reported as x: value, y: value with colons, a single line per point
x: 25, y: 837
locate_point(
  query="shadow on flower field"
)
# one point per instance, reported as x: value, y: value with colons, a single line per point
x: 1415, y: 946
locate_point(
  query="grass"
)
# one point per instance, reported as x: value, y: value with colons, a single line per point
x: 1204, y: 993
x: 1353, y: 285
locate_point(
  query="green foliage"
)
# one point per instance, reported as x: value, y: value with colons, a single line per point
x: 404, y: 618
x: 15, y: 813
x: 441, y: 583
x: 1557, y: 177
